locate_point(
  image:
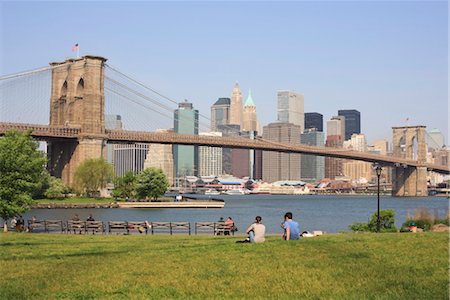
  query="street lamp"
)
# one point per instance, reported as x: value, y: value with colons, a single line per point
x: 378, y: 169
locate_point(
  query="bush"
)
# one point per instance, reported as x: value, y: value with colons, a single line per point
x: 387, y: 222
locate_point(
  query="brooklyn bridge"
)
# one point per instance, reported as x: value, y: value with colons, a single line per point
x: 76, y: 128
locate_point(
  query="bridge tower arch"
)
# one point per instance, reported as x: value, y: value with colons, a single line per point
x: 77, y: 101
x: 409, y: 143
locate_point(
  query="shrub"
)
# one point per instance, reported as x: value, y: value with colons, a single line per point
x: 387, y: 222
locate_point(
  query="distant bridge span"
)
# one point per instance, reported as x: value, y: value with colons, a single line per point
x: 46, y: 132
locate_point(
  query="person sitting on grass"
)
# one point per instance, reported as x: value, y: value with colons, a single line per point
x: 291, y: 228
x: 256, y: 232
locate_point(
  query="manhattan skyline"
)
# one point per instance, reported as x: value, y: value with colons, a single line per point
x: 387, y: 60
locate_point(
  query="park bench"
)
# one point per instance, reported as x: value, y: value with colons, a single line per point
x: 140, y: 226
x: 50, y: 225
x: 76, y: 226
x: 164, y: 226
x: 95, y: 226
x: 36, y: 226
x: 205, y: 227
x: 180, y: 227
x: 223, y: 229
x: 117, y: 225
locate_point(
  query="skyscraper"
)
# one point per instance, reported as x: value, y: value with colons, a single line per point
x: 185, y: 157
x: 228, y: 130
x: 210, y: 158
x: 161, y: 156
x: 112, y: 122
x: 314, y: 120
x: 281, y: 166
x: 352, y: 122
x: 236, y: 106
x: 312, y: 166
x: 335, y: 138
x: 249, y: 119
x: 220, y: 113
x: 129, y: 157
x: 435, y: 139
x: 291, y: 108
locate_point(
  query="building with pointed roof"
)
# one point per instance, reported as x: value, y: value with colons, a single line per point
x: 249, y: 119
x: 236, y: 106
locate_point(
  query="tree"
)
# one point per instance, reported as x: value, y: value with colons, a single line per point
x: 92, y: 175
x: 56, y: 188
x: 151, y: 183
x: 22, y: 167
x: 124, y: 187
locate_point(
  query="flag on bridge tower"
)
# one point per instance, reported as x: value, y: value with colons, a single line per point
x: 76, y: 48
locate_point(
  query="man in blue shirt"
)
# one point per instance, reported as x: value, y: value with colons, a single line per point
x: 291, y: 228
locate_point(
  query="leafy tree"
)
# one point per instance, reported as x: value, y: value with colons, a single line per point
x: 92, y: 175
x: 22, y: 166
x: 56, y: 188
x: 124, y: 187
x: 151, y: 183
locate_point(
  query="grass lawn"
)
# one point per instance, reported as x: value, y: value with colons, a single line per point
x: 341, y: 266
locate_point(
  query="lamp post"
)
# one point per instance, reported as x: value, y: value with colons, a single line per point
x: 378, y: 170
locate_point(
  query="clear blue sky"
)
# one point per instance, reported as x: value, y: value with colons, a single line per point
x: 387, y: 59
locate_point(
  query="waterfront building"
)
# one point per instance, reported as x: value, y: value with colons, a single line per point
x: 312, y: 166
x: 220, y: 113
x: 236, y: 106
x: 281, y: 166
x: 129, y: 157
x: 250, y: 120
x: 210, y: 158
x: 314, y: 120
x: 161, y: 156
x: 352, y: 121
x: 185, y: 157
x: 357, y: 142
x: 290, y: 108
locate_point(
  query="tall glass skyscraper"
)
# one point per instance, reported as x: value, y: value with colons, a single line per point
x: 352, y: 121
x: 185, y: 158
x: 314, y: 120
x: 290, y: 108
x: 312, y: 166
x: 220, y: 113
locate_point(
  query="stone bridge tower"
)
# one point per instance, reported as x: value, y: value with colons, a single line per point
x: 409, y: 143
x: 77, y: 101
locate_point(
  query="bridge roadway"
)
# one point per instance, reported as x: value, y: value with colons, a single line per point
x: 46, y: 132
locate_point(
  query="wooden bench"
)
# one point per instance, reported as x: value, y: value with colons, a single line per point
x: 180, y: 227
x: 53, y: 225
x: 95, y: 226
x: 117, y: 225
x: 205, y: 227
x: 223, y: 229
x: 75, y: 226
x: 161, y: 226
x: 140, y: 226
x: 34, y: 226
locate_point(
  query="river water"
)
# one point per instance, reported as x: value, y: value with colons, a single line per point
x: 313, y: 212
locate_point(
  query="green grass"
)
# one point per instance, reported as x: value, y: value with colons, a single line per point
x: 342, y: 266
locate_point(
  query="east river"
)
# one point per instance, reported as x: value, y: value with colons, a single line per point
x: 313, y: 212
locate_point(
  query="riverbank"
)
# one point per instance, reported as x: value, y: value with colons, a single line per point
x: 340, y: 266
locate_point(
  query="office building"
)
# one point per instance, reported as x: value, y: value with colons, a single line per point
x: 185, y: 157
x: 314, y: 120
x: 236, y: 106
x: 129, y: 157
x: 335, y: 139
x: 230, y: 130
x: 210, y: 158
x: 352, y: 121
x: 220, y: 113
x: 291, y: 108
x: 249, y: 119
x: 112, y: 122
x: 435, y: 139
x: 161, y: 156
x: 281, y: 166
x: 312, y: 166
